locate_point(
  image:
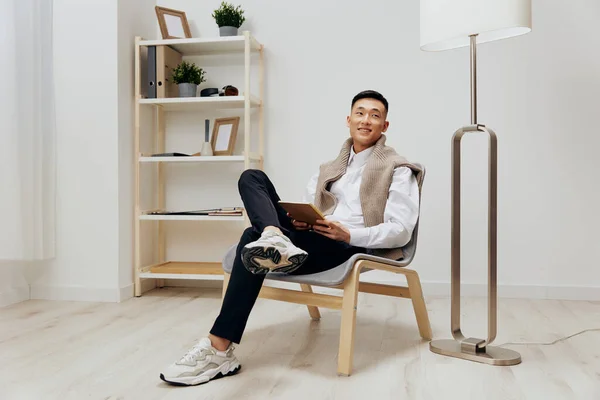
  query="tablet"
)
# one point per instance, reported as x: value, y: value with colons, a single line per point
x: 303, y: 212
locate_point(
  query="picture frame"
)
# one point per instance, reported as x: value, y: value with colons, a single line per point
x: 173, y: 23
x: 224, y: 135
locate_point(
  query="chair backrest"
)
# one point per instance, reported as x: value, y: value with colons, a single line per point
x: 410, y: 248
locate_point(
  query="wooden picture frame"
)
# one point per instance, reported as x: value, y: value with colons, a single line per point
x: 173, y: 23
x: 224, y: 135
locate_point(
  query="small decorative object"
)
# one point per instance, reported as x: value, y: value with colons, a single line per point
x: 229, y: 18
x: 206, y: 146
x: 209, y: 92
x: 173, y: 23
x: 188, y: 76
x: 224, y: 134
x: 229, y: 91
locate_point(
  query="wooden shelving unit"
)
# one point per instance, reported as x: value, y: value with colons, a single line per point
x: 247, y: 101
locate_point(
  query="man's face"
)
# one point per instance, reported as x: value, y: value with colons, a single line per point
x: 367, y: 121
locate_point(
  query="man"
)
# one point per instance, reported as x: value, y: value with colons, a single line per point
x: 370, y: 197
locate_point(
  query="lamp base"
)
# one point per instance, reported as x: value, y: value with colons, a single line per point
x: 491, y: 355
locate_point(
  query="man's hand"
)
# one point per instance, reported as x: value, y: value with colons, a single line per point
x: 300, y: 226
x: 333, y: 230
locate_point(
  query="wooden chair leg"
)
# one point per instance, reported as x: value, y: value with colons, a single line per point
x: 225, y: 282
x: 312, y: 310
x: 416, y: 295
x: 348, y: 325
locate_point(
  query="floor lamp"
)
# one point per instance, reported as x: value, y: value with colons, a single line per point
x: 445, y: 25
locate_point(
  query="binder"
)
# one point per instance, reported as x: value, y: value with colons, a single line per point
x: 167, y: 58
x: 151, y: 73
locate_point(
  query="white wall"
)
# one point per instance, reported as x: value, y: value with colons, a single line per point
x: 539, y: 92
x: 135, y: 18
x: 13, y: 285
x: 94, y: 83
x: 87, y: 154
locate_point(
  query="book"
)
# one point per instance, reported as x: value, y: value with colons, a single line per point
x: 303, y: 212
x: 170, y: 155
x: 232, y: 211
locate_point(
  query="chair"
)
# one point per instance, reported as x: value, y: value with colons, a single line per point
x: 346, y: 276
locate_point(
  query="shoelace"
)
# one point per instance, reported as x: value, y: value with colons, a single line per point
x: 273, y: 233
x: 198, y: 352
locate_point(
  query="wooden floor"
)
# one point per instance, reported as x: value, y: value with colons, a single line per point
x: 74, y: 350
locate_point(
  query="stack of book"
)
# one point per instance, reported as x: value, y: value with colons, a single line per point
x: 231, y: 211
x: 224, y: 211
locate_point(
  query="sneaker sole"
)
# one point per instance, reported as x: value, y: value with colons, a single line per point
x: 273, y: 255
x: 201, y: 379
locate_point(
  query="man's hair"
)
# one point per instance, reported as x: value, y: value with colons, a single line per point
x: 370, y: 94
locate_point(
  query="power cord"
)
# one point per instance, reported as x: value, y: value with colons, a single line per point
x: 550, y: 343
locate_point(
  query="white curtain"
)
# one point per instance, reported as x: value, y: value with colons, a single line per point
x: 27, y: 131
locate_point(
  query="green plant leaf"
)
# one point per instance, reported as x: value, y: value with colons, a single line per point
x: 187, y: 72
x: 229, y: 15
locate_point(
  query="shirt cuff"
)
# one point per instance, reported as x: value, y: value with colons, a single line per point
x: 359, y: 237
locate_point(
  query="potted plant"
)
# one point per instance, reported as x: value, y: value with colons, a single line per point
x: 229, y: 18
x: 188, y: 76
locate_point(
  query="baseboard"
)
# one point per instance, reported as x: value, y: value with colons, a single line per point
x: 511, y: 291
x: 80, y: 293
x: 126, y: 292
x: 14, y: 295
x: 588, y: 293
x: 442, y: 289
x: 433, y: 288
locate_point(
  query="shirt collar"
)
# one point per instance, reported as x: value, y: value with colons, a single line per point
x: 361, y: 158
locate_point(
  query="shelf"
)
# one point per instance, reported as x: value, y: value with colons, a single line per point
x: 206, y: 46
x: 193, y: 103
x: 184, y: 270
x: 192, y: 159
x: 154, y: 217
x: 196, y: 159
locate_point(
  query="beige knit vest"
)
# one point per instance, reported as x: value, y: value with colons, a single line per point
x: 376, y: 180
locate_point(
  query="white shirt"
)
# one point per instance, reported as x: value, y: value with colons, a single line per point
x: 401, y: 210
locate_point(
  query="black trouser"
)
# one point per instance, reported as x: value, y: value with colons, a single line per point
x: 260, y: 201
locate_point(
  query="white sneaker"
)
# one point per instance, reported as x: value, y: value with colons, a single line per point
x: 201, y: 364
x: 272, y: 252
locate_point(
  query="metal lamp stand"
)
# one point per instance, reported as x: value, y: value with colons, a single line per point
x: 474, y: 349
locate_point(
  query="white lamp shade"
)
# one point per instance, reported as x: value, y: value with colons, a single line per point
x: 447, y: 24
